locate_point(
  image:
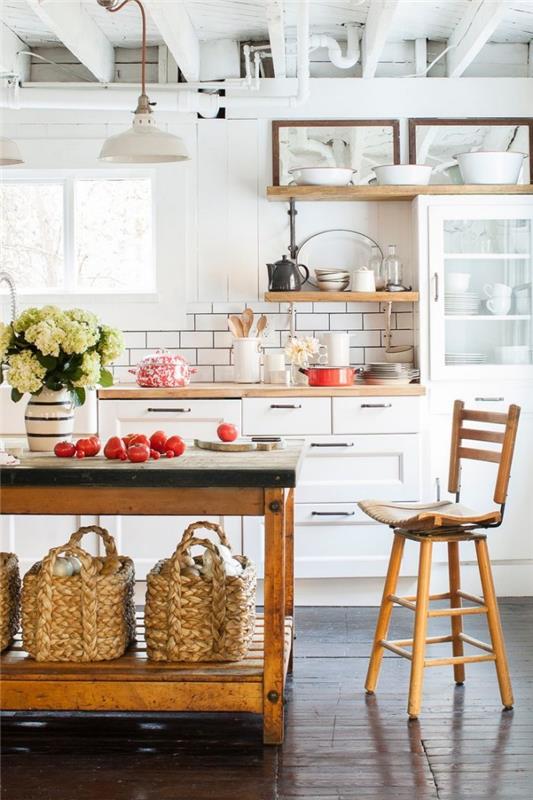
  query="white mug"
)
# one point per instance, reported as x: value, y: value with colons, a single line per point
x: 499, y: 304
x: 497, y: 290
x: 337, y: 347
x: 457, y: 282
x: 247, y: 360
x: 272, y: 362
x: 364, y: 280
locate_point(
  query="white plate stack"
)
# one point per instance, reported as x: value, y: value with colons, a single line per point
x: 332, y: 280
x: 453, y: 359
x: 461, y: 303
x: 386, y: 373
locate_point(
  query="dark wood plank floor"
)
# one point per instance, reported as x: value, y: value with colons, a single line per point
x: 340, y: 744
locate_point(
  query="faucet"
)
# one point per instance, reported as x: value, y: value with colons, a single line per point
x: 6, y: 277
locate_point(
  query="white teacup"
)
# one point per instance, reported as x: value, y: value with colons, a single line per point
x: 364, y: 280
x: 457, y: 282
x: 499, y: 305
x: 497, y: 290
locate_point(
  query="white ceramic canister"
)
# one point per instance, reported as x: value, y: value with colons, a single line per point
x: 49, y: 419
x: 247, y: 360
x: 363, y: 280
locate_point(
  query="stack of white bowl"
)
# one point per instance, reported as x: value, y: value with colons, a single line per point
x: 332, y: 279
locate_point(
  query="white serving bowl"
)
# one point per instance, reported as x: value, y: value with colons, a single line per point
x: 489, y: 166
x: 403, y: 175
x: 333, y: 286
x: 322, y: 176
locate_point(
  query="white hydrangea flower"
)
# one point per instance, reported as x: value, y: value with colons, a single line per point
x: 6, y: 337
x: 46, y: 335
x: 111, y: 344
x: 91, y: 366
x: 25, y: 373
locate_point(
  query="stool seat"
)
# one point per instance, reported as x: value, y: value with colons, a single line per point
x: 426, y: 516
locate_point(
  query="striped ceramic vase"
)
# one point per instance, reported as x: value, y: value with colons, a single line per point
x: 49, y: 419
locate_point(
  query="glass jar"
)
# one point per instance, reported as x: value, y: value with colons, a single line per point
x: 392, y: 268
x: 376, y: 265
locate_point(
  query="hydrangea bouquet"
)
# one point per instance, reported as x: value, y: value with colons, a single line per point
x: 55, y: 349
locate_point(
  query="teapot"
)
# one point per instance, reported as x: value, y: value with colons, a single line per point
x: 285, y: 276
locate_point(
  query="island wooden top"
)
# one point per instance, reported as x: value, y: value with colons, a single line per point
x: 130, y: 391
x: 195, y: 468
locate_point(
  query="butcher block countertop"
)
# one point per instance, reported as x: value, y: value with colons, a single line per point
x: 130, y: 391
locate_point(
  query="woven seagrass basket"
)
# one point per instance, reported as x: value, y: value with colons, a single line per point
x: 194, y: 618
x: 9, y: 598
x: 85, y: 617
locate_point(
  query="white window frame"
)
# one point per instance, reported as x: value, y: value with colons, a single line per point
x: 66, y: 178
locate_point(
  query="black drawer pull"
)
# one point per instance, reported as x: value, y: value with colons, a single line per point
x: 489, y: 399
x: 332, y: 444
x: 376, y: 405
x: 169, y: 410
x: 332, y: 513
x: 285, y: 405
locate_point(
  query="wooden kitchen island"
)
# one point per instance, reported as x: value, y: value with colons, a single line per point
x: 199, y: 483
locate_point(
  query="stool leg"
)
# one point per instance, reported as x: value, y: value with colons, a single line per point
x: 454, y: 572
x: 385, y: 611
x: 494, y: 622
x: 420, y: 629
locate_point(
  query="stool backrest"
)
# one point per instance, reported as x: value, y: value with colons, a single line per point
x: 502, y: 456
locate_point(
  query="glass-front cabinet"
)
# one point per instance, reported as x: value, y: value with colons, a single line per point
x: 481, y: 273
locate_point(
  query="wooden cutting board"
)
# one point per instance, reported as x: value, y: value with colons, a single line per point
x: 242, y: 446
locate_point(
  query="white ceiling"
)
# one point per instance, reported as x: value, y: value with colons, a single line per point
x: 246, y: 19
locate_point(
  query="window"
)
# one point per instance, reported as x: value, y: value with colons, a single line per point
x: 89, y: 234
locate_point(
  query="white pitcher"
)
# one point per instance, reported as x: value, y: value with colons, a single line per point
x: 247, y: 360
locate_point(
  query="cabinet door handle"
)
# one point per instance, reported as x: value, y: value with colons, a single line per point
x: 169, y: 410
x: 285, y: 405
x: 332, y: 513
x: 489, y: 399
x: 376, y: 405
x: 332, y: 444
x: 436, y: 283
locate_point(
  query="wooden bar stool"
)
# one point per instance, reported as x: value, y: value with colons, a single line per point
x: 453, y: 523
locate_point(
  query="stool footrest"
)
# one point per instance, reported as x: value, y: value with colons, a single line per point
x: 472, y: 597
x: 408, y: 602
x: 394, y: 648
x: 457, y: 612
x: 441, y: 662
x: 475, y: 642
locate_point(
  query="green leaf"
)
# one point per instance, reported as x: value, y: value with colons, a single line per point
x: 16, y: 395
x: 48, y: 362
x: 106, y: 378
x: 78, y: 395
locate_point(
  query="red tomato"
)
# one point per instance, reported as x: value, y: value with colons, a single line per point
x: 126, y: 439
x: 89, y: 447
x: 80, y: 454
x: 176, y: 444
x: 123, y: 456
x: 64, y: 449
x: 138, y: 452
x: 97, y: 443
x: 138, y: 438
x: 158, y: 440
x: 114, y: 448
x: 227, y: 432
x: 170, y: 454
x: 155, y: 454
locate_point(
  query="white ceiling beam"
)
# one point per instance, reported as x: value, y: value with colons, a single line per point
x: 474, y: 31
x: 79, y: 33
x: 276, y: 34
x: 176, y: 28
x: 378, y: 24
x: 10, y: 62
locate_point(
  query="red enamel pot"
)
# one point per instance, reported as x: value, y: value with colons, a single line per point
x: 329, y: 376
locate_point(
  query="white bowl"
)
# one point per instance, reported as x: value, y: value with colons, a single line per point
x: 333, y: 286
x: 322, y: 176
x: 490, y: 166
x: 403, y: 175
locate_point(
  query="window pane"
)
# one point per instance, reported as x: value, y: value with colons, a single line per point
x: 31, y: 234
x: 113, y: 235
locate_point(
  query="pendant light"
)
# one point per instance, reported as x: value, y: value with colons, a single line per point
x: 9, y: 153
x: 143, y: 143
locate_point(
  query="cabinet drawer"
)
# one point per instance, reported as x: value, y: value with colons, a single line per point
x: 351, y: 468
x: 481, y: 396
x: 376, y: 414
x: 286, y: 415
x: 187, y: 418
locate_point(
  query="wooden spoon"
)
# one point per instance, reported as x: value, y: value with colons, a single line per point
x: 247, y: 318
x: 235, y: 325
x: 261, y: 325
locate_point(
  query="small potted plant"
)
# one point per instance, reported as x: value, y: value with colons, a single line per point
x: 54, y: 356
x: 299, y: 351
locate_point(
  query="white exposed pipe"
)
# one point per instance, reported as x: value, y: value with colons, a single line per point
x: 353, y: 48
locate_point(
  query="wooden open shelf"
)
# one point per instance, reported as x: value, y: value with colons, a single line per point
x: 133, y: 683
x: 383, y: 193
x: 343, y: 297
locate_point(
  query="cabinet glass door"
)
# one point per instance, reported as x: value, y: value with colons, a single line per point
x: 481, y: 313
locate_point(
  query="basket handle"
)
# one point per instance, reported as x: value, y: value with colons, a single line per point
x: 112, y: 559
x: 188, y: 534
x: 218, y: 597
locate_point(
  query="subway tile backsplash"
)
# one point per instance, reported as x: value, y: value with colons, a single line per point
x: 206, y: 343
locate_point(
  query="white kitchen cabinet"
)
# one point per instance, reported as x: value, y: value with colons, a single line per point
x: 187, y: 418
x: 478, y: 248
x: 376, y: 414
x: 286, y: 416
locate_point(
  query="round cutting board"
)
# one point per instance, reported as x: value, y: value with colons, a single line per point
x: 239, y: 446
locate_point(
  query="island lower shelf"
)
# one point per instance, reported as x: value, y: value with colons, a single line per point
x: 133, y: 683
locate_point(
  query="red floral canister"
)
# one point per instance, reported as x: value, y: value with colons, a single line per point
x: 163, y: 369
